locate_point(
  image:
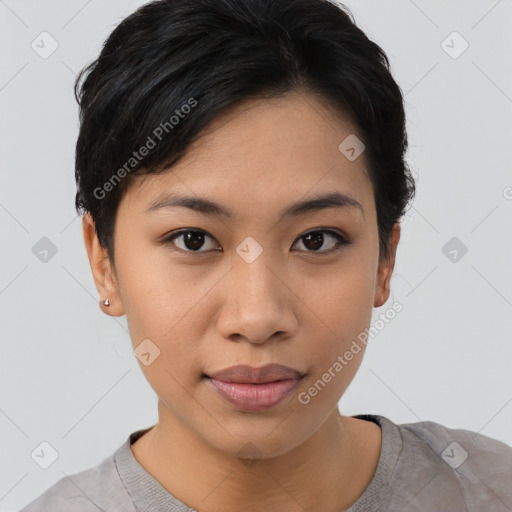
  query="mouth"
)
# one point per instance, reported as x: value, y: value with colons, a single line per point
x: 244, y: 374
x: 252, y: 389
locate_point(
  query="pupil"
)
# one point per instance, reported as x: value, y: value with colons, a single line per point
x: 193, y: 240
x: 317, y: 238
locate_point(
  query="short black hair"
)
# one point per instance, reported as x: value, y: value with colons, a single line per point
x: 170, y: 68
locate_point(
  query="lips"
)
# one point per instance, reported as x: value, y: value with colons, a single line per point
x: 244, y: 374
x: 255, y: 389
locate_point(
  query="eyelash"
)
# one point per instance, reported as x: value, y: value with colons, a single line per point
x: 341, y: 240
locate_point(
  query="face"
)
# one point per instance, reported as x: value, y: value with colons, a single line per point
x: 255, y: 285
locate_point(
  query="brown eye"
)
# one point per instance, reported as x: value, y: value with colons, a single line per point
x: 192, y: 240
x: 315, y: 240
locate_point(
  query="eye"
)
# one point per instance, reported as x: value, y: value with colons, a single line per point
x: 192, y: 240
x: 315, y: 240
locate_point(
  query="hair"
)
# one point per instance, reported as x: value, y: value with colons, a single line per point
x: 170, y: 68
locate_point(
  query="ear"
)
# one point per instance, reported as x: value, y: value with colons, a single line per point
x: 385, y: 270
x: 102, y: 271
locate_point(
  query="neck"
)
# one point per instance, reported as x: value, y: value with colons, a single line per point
x: 327, y: 472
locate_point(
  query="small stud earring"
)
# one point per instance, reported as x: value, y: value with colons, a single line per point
x: 106, y: 303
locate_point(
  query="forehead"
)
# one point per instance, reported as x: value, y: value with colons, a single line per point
x: 264, y: 154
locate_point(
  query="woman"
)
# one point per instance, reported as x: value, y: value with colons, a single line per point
x: 240, y: 167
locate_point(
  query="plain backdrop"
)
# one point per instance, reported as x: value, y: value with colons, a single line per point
x: 68, y: 375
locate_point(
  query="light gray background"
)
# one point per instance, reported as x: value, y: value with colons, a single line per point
x: 68, y: 375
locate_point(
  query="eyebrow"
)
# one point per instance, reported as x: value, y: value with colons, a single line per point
x: 208, y: 207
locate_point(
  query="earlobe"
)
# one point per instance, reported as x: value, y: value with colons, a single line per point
x: 102, y: 271
x: 385, y: 270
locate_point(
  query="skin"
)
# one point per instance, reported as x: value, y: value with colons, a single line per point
x: 295, y: 304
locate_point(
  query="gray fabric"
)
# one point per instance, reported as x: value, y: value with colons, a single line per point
x: 412, y: 475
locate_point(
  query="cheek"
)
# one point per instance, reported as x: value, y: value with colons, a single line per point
x: 342, y: 298
x: 336, y: 350
x: 160, y: 305
x: 153, y: 292
x: 342, y: 308
x: 164, y: 305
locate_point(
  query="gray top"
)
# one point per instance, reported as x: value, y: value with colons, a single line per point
x: 423, y: 466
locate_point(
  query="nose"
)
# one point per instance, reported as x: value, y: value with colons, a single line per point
x: 258, y: 304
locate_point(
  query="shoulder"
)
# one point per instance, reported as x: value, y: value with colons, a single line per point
x: 93, y: 490
x: 462, y: 449
x: 456, y: 465
x: 437, y: 436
